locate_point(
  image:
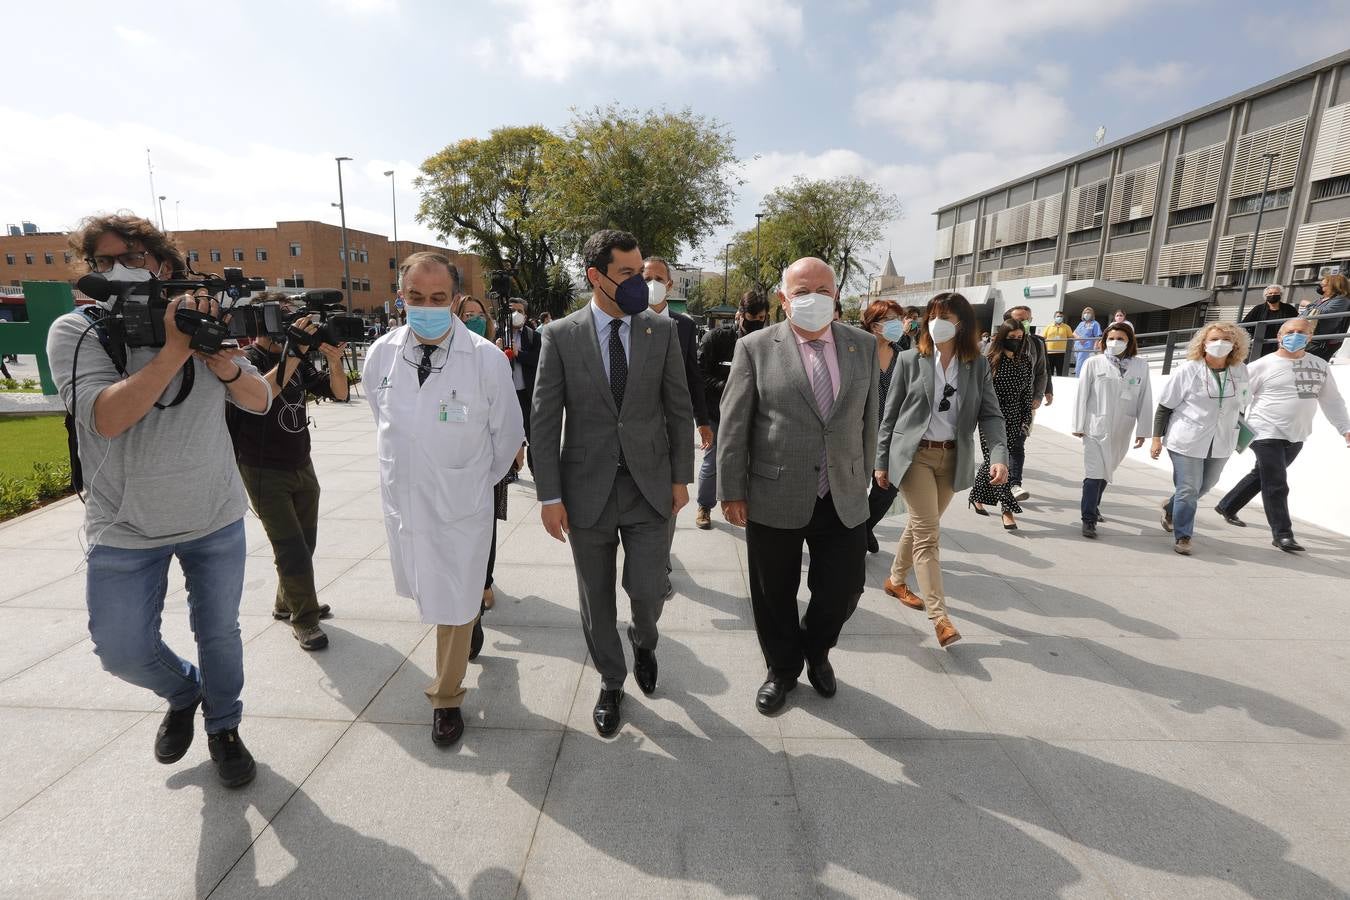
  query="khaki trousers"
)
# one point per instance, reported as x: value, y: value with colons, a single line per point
x: 446, y: 691
x: 927, y: 489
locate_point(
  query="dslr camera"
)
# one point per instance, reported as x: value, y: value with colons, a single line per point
x: 136, y: 318
x: 272, y: 319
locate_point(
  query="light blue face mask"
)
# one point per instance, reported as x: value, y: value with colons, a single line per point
x: 893, y: 330
x: 1294, y: 341
x: 429, y: 322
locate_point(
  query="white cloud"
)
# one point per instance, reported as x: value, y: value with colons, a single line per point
x: 1133, y: 79
x: 133, y: 36
x: 933, y: 113
x: 679, y: 39
x: 366, y: 7
x: 56, y: 169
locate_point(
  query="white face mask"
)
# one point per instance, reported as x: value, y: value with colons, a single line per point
x: 1218, y: 349
x: 941, y: 330
x: 120, y: 272
x: 1116, y: 347
x: 656, y: 293
x: 518, y: 319
x: 811, y: 312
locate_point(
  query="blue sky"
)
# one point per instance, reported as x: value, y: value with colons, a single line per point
x: 244, y: 105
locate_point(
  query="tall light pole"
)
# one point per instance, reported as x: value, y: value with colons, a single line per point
x: 758, y: 267
x: 346, y: 256
x: 726, y: 273
x: 162, y: 198
x: 150, y: 168
x: 393, y: 200
x: 1256, y: 233
x: 178, y: 215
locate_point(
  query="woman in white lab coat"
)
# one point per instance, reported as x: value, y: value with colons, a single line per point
x: 1198, y: 418
x: 448, y: 425
x: 1115, y: 400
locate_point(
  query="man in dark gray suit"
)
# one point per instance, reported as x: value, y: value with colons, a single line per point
x: 797, y: 439
x: 623, y: 467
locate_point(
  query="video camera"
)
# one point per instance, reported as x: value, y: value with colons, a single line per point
x: 137, y: 315
x: 272, y: 319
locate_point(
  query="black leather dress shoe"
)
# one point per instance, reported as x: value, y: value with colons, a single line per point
x: 644, y: 665
x: 872, y: 545
x: 773, y: 694
x: 1230, y: 518
x: 606, y: 715
x: 476, y: 640
x: 447, y: 726
x: 1288, y: 545
x: 821, y: 676
x: 1090, y: 529
x: 175, y: 733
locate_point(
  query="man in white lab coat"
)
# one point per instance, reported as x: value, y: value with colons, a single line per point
x: 448, y: 427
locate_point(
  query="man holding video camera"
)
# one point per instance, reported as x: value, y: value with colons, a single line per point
x: 273, y: 455
x: 161, y: 483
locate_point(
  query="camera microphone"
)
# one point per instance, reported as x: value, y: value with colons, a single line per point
x: 320, y: 298
x: 95, y: 286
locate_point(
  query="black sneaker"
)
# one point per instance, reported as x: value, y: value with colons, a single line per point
x: 234, y: 764
x: 175, y: 733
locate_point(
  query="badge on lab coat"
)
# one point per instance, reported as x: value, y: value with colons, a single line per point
x: 453, y: 411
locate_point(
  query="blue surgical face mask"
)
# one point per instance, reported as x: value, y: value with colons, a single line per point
x: 1294, y: 341
x: 893, y: 330
x: 429, y: 322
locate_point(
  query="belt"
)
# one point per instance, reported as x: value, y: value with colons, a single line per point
x: 937, y: 445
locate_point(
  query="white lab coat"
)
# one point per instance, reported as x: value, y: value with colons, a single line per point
x: 437, y: 473
x: 1203, y: 424
x: 1111, y: 410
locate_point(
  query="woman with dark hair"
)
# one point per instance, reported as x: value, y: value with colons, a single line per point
x: 474, y: 314
x: 939, y: 393
x: 1010, y: 369
x: 1114, y: 400
x: 884, y: 319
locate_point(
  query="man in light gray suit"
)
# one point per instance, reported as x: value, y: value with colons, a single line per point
x: 794, y: 456
x: 623, y: 467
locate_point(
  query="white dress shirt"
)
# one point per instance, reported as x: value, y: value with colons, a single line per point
x: 602, y: 321
x: 942, y: 425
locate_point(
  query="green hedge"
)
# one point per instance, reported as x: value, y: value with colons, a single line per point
x: 18, y: 495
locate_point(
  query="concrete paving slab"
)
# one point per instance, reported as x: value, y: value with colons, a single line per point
x: 365, y: 590
x: 39, y: 746
x: 66, y: 592
x: 543, y: 596
x: 29, y: 570
x: 420, y: 821
x: 57, y: 526
x: 46, y: 632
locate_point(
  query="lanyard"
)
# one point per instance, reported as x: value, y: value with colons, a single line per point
x: 1222, y: 379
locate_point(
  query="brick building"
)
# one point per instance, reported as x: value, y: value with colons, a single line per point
x: 289, y: 255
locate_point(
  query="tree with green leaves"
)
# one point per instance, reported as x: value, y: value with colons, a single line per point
x: 666, y: 177
x: 485, y: 194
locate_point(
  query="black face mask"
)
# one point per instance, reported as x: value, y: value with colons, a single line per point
x: 751, y: 325
x: 1274, y: 299
x: 1321, y: 292
x: 1013, y: 344
x: 630, y: 295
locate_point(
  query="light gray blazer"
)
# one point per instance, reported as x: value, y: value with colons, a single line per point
x: 577, y: 459
x: 771, y: 435
x: 909, y: 406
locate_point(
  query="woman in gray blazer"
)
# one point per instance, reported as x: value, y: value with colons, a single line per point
x: 940, y: 393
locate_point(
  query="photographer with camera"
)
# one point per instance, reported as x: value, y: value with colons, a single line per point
x: 150, y: 423
x: 272, y: 450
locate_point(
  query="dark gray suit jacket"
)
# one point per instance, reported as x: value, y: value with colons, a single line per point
x: 909, y: 406
x: 771, y: 435
x: 576, y: 458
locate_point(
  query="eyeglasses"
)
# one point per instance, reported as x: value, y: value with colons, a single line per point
x: 946, y: 404
x: 442, y: 352
x: 134, y: 259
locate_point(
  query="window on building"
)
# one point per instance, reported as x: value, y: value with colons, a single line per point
x: 1331, y: 187
x: 28, y: 258
x: 344, y: 282
x: 67, y: 256
x: 1134, y: 226
x: 193, y: 256
x: 996, y: 253
x: 365, y: 285
x: 9, y: 259
x: 1239, y: 206
x: 1015, y: 249
x: 49, y: 258
x: 1194, y: 280
x: 1043, y: 244
x: 237, y: 254
x: 963, y: 259
x: 393, y: 263
x: 260, y: 255
x: 295, y: 248
x: 1191, y: 216
x: 365, y: 256
x: 1086, y: 236
x: 1260, y: 277
x: 215, y: 256
x: 298, y: 281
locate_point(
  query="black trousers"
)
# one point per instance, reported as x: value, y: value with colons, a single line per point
x: 1270, y: 479
x: 879, y: 501
x: 836, y: 579
x: 1054, y: 363
x: 525, y: 396
x: 1090, y: 506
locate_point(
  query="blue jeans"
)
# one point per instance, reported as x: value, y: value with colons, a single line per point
x: 707, y: 473
x: 1192, y: 477
x: 1090, y: 507
x: 125, y: 594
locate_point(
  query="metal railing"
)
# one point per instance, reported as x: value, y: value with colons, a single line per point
x: 1259, y: 338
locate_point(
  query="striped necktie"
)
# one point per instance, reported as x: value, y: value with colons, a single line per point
x: 823, y: 388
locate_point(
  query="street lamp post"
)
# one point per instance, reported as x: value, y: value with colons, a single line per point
x: 178, y: 215
x: 346, y: 256
x: 758, y: 266
x: 162, y: 198
x: 726, y: 274
x: 1256, y: 233
x: 393, y: 199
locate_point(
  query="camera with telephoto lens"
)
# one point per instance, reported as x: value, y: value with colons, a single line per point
x: 276, y: 319
x: 136, y: 318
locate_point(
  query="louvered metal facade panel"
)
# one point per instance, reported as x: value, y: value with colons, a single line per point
x: 1132, y: 193
x: 1185, y: 258
x: 944, y: 243
x: 1331, y: 153
x: 1124, y: 266
x: 1087, y: 204
x: 1249, y: 168
x: 963, y: 238
x: 1233, y: 250
x: 1083, y: 267
x: 1036, y: 271
x: 1043, y: 220
x: 1321, y: 241
x: 1195, y: 180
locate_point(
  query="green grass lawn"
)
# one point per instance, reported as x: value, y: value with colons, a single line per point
x: 25, y: 440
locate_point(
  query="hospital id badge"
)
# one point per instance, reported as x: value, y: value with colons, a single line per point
x: 453, y: 412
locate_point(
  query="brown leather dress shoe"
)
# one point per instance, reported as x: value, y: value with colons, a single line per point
x: 903, y: 594
x: 489, y: 598
x: 946, y: 632
x: 447, y: 725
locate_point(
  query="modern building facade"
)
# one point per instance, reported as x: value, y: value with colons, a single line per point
x: 290, y: 255
x: 1161, y: 223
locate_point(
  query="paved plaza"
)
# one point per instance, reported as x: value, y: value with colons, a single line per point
x: 1118, y: 722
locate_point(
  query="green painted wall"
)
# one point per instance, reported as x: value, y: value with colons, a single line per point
x: 46, y: 302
